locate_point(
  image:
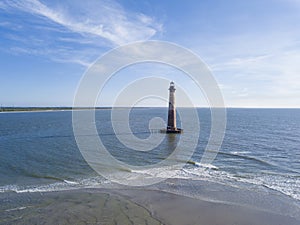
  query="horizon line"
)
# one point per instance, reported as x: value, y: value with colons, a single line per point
x: 107, y: 107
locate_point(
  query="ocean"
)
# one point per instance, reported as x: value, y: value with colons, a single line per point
x: 260, y: 153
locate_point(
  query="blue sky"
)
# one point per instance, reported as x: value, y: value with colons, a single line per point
x: 251, y: 47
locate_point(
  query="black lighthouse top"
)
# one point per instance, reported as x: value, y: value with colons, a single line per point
x: 172, y: 87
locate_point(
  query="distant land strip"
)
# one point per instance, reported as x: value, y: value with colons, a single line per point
x: 25, y: 109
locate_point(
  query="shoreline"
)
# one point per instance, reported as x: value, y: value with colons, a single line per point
x: 69, y: 108
x: 61, y: 109
x: 42, y: 109
x: 128, y: 206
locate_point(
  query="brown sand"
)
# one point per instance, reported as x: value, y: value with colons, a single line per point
x: 179, y: 210
x: 75, y: 207
x: 132, y: 206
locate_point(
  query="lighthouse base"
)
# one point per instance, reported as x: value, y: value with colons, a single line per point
x: 172, y: 130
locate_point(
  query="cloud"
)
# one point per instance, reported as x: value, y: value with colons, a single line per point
x: 240, y: 62
x: 71, y: 31
x: 107, y: 20
x: 80, y: 57
x: 258, y: 69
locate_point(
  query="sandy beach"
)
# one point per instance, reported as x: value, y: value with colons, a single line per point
x: 128, y: 206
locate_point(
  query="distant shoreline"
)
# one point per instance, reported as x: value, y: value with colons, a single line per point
x: 50, y: 109
x: 59, y: 109
x: 45, y: 109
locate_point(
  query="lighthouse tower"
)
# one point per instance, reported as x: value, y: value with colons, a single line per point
x: 171, y: 128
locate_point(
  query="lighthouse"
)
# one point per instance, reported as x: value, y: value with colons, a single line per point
x: 171, y: 127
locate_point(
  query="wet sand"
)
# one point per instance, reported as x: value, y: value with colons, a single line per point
x: 128, y: 206
x: 178, y: 210
x: 75, y: 207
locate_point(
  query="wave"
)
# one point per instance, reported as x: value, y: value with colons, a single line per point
x: 56, y: 186
x: 16, y: 209
x: 34, y: 175
x: 70, y: 182
x: 287, y: 184
x: 240, y: 154
x: 243, y: 156
x: 204, y: 165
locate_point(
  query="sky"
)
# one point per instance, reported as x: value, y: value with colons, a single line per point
x: 251, y: 47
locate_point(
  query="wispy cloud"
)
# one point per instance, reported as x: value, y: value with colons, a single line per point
x: 240, y: 62
x: 83, y: 57
x: 104, y: 19
x: 258, y: 69
x: 73, y: 31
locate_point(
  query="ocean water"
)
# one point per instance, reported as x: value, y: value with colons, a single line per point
x: 260, y: 151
